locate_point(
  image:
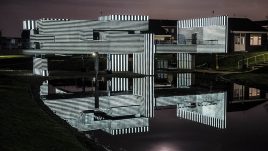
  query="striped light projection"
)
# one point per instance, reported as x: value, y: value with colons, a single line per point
x: 130, y: 130
x: 145, y: 87
x: 29, y: 24
x: 40, y: 66
x: 77, y: 36
x: 118, y: 63
x: 125, y: 17
x: 184, y: 80
x: 117, y: 126
x: 72, y: 110
x: 208, y: 109
x: 143, y: 63
x: 202, y: 22
x: 118, y: 36
x: 204, y: 35
x: 184, y: 61
x: 44, y: 89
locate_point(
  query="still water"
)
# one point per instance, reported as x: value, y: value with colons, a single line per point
x: 168, y: 112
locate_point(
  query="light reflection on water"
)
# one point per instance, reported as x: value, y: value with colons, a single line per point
x: 164, y: 146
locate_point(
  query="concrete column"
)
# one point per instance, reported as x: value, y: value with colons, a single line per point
x: 40, y: 66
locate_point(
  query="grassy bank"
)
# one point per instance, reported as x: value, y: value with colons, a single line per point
x: 16, y: 62
x: 228, y: 61
x: 27, y: 124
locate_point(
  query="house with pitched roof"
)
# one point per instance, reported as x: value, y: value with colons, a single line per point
x: 246, y: 35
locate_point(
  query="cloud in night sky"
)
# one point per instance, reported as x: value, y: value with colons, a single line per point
x: 13, y: 12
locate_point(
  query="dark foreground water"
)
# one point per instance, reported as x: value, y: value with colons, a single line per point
x: 181, y: 112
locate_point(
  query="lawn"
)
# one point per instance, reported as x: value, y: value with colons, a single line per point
x: 27, y: 124
x: 229, y: 61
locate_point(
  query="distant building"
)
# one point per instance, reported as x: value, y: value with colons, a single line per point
x: 8, y: 43
x: 263, y: 23
x: 211, y: 34
x: 245, y: 35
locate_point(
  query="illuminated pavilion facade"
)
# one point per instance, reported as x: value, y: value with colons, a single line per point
x: 125, y: 38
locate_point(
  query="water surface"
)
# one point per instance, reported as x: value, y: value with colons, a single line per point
x: 180, y: 112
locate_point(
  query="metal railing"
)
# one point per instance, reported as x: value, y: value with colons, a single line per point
x: 166, y: 41
x: 252, y: 60
x: 198, y: 42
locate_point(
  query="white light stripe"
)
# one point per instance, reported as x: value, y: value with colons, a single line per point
x: 28, y: 24
x: 24, y: 25
x: 32, y: 24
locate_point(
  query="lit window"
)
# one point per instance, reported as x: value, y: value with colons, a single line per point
x: 254, y: 92
x: 255, y: 39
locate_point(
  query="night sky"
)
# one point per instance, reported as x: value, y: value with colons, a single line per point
x: 13, y: 12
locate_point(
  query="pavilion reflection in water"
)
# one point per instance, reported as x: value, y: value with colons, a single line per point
x: 209, y: 109
x: 119, y: 113
x: 129, y: 111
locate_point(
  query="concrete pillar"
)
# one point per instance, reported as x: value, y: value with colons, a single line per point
x: 44, y: 88
x: 40, y: 66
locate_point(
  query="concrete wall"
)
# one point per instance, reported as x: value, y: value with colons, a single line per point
x: 204, y: 32
x: 110, y: 34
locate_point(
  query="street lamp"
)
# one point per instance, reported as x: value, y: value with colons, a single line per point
x: 94, y: 54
